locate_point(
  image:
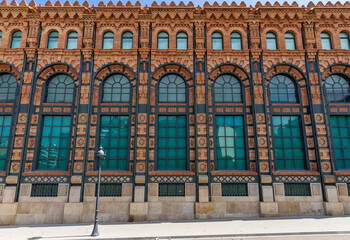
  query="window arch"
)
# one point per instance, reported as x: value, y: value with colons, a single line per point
x: 290, y: 41
x: 172, y: 89
x: 181, y: 40
x: 236, y: 41
x: 326, y: 41
x: 345, y: 41
x: 282, y: 90
x: 72, y: 40
x: 16, y: 39
x: 127, y: 40
x: 337, y: 89
x: 163, y: 40
x: 60, y: 89
x: 8, y: 87
x: 108, y: 40
x: 216, y: 39
x: 52, y: 41
x: 116, y: 88
x: 227, y: 89
x: 271, y: 41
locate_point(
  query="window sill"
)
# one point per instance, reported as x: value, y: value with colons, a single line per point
x: 46, y: 173
x: 110, y: 173
x: 285, y: 104
x: 295, y: 172
x: 342, y: 172
x: 2, y: 173
x: 171, y: 173
x: 57, y: 104
x: 233, y: 172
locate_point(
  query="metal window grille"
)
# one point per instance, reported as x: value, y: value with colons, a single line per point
x: 234, y: 189
x: 44, y: 190
x: 297, y: 189
x: 171, y: 189
x: 109, y: 190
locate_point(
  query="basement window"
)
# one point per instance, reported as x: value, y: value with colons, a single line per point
x: 297, y: 189
x: 234, y: 189
x: 109, y: 190
x: 171, y: 190
x: 44, y: 190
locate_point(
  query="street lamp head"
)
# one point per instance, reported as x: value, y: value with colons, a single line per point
x: 100, y: 155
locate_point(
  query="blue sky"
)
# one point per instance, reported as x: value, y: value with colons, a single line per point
x: 195, y: 2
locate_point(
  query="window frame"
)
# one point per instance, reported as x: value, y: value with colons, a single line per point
x: 347, y: 37
x: 50, y: 78
x: 214, y: 37
x: 289, y: 37
x: 16, y: 91
x: 325, y: 88
x: 329, y: 38
x: 127, y: 38
x: 171, y: 102
x: 104, y: 37
x: 13, y: 37
x: 271, y: 38
x: 101, y: 95
x: 177, y: 38
x: 9, y: 147
x: 240, y: 40
x: 70, y: 38
x: 240, y: 85
x: 160, y: 37
x: 51, y: 38
x: 296, y: 90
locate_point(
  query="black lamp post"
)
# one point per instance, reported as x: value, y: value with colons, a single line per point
x: 100, y: 158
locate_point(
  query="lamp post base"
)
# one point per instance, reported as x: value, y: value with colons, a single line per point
x: 95, y: 231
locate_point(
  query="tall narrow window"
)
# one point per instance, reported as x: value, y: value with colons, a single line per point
x: 230, y: 142
x: 55, y: 141
x: 0, y: 37
x: 326, y: 41
x: 60, y: 89
x: 72, y: 40
x: 16, y: 39
x: 172, y: 151
x: 282, y: 90
x: 5, y: 126
x: 172, y: 89
x: 337, y: 89
x: 114, y: 140
x: 344, y: 40
x: 236, y: 41
x: 108, y: 40
x: 8, y: 87
x: 52, y: 41
x: 216, y: 39
x: 340, y: 126
x: 288, y: 142
x: 163, y: 40
x: 116, y: 88
x: 290, y: 41
x: 127, y: 40
x: 271, y: 41
x: 181, y: 40
x: 227, y: 89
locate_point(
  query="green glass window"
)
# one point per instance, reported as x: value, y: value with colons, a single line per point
x: 230, y: 142
x: 290, y: 41
x: 216, y: 40
x: 340, y: 126
x: 288, y: 142
x: 344, y: 41
x: 60, y: 89
x: 55, y: 143
x: 271, y: 41
x: 172, y: 151
x: 8, y: 87
x: 337, y: 89
x: 227, y: 89
x: 114, y: 140
x: 127, y: 40
x: 181, y: 40
x: 236, y: 41
x: 326, y: 41
x: 282, y: 90
x: 5, y: 126
x: 16, y: 39
x: 163, y: 40
x: 116, y: 88
x: 172, y: 89
x: 108, y: 39
x: 72, y: 40
x: 52, y: 41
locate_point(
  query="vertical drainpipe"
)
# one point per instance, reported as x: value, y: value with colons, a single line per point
x: 86, y: 151
x: 26, y: 133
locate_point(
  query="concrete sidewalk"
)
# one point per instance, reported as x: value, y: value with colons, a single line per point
x: 263, y: 228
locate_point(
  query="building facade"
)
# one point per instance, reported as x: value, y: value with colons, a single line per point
x: 204, y: 112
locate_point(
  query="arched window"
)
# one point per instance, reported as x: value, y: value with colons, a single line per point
x: 127, y: 40
x: 52, y: 40
x: 337, y: 89
x: 181, y: 40
x: 108, y: 39
x: 172, y: 89
x: 344, y: 40
x: 290, y: 41
x: 282, y: 90
x: 60, y: 89
x: 16, y: 39
x: 163, y: 40
x: 227, y: 89
x: 236, y: 41
x: 72, y: 40
x: 0, y: 37
x: 116, y: 88
x: 326, y: 41
x: 271, y: 41
x: 216, y: 39
x: 8, y: 87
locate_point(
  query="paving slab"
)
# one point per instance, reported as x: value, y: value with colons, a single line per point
x: 319, y: 228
